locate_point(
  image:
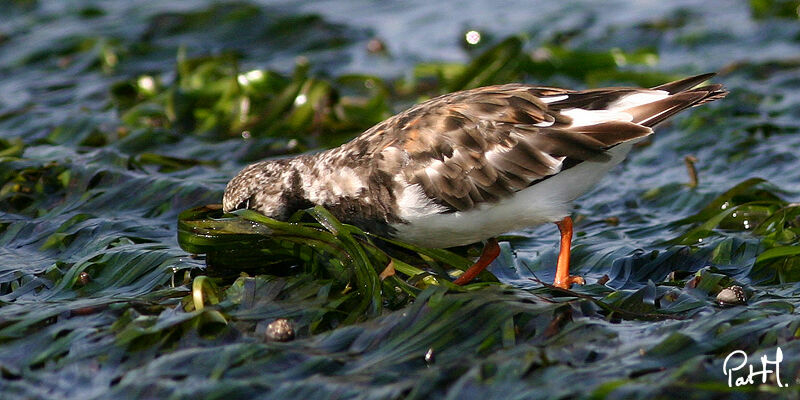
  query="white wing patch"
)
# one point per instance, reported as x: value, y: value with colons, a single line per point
x: 614, y: 112
x: 551, y: 99
x: 581, y: 117
x: 637, y: 99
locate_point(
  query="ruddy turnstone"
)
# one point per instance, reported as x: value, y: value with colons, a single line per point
x: 470, y: 165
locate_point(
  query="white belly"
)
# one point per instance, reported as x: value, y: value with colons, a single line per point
x: 547, y: 201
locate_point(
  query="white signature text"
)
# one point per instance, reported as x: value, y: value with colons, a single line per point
x: 737, y: 360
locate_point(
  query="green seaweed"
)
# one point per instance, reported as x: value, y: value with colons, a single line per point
x: 120, y: 278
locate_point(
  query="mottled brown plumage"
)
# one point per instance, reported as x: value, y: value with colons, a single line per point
x: 461, y: 152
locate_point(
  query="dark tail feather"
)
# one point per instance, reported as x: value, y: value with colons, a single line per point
x: 683, y: 97
x: 685, y: 83
x: 712, y: 92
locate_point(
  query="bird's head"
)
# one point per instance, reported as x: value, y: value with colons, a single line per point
x: 259, y: 187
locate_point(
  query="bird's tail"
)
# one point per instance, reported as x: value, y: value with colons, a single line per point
x: 683, y: 94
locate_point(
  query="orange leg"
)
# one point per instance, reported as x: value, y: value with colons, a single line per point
x: 489, y: 253
x: 563, y: 279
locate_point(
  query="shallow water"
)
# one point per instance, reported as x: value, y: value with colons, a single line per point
x: 86, y: 189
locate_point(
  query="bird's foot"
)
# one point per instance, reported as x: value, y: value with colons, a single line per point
x: 563, y: 279
x: 567, y: 283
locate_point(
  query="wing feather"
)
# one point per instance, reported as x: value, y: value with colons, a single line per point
x: 482, y: 145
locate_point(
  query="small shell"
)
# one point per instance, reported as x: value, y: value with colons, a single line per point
x: 733, y: 295
x: 280, y: 330
x: 376, y: 45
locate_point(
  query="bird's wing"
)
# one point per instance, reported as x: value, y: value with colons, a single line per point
x: 485, y: 144
x: 481, y: 145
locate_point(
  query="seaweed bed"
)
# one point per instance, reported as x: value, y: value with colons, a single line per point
x: 121, y: 122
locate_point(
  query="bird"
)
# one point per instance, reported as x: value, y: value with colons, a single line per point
x: 467, y: 166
